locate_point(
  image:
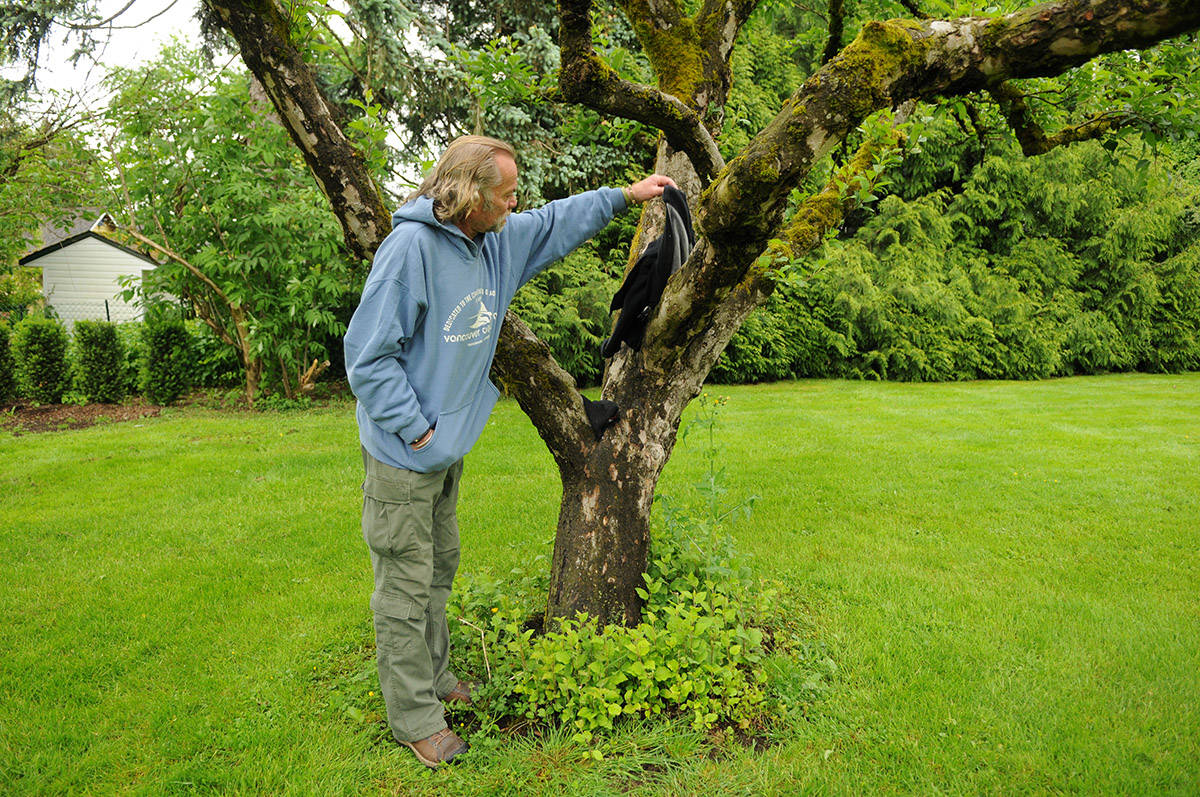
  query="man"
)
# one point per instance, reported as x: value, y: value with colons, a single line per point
x: 418, y: 352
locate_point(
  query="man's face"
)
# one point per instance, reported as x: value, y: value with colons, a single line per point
x: 503, y: 200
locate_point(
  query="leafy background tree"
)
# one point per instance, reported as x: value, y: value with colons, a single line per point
x: 247, y: 239
x: 48, y: 172
x: 1079, y: 262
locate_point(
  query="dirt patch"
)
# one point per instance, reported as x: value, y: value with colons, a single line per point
x: 26, y: 418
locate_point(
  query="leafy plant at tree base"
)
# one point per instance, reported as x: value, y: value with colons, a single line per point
x: 707, y: 644
x: 8, y: 368
x: 167, y: 369
x: 100, y: 361
x: 40, y: 349
x: 697, y: 654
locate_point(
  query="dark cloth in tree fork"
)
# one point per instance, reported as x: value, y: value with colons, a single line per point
x: 641, y: 292
x: 643, y: 287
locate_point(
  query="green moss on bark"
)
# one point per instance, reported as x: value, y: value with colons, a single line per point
x: 862, y: 77
x: 676, y: 56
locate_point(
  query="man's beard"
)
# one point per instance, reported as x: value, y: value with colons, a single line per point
x: 499, y: 225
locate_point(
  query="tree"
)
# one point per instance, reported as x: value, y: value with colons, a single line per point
x: 1071, y: 263
x: 749, y: 230
x: 745, y: 238
x: 47, y: 174
x: 244, y: 234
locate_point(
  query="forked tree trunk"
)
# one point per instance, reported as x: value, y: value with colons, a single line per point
x: 608, y: 486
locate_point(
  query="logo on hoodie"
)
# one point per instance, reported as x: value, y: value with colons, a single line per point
x: 470, y: 321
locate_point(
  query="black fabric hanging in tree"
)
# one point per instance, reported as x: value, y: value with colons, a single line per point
x: 643, y: 287
x: 641, y: 292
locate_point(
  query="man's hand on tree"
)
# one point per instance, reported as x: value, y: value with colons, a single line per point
x: 649, y: 188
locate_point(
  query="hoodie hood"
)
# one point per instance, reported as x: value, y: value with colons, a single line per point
x: 421, y: 209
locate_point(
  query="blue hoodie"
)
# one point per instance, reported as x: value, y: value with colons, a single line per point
x: 421, y: 343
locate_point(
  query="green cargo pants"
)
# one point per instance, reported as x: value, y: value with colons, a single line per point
x: 409, y: 523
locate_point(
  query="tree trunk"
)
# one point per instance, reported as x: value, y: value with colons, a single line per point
x: 253, y: 368
x: 603, y: 537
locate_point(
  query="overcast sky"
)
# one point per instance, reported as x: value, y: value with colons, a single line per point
x: 136, y: 36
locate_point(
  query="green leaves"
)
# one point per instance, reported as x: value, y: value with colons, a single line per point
x: 1068, y: 263
x: 39, y: 347
x: 46, y: 174
x: 696, y: 655
x: 221, y: 181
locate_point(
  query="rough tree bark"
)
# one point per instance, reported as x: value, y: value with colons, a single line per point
x: 608, y: 485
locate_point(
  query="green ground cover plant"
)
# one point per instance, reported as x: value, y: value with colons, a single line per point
x: 992, y: 588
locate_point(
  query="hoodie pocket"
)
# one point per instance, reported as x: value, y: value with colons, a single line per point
x: 445, y: 446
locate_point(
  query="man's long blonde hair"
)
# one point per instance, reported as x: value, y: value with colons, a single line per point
x: 460, y: 182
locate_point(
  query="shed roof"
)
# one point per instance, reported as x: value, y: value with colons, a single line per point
x: 51, y: 233
x: 55, y: 238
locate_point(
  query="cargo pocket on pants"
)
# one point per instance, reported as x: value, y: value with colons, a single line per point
x: 386, y: 522
x: 400, y: 607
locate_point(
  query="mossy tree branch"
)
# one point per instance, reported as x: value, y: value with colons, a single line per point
x: 587, y: 80
x: 1034, y: 139
x: 889, y: 63
x: 821, y: 212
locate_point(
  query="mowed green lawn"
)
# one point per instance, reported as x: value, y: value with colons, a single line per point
x: 1007, y: 576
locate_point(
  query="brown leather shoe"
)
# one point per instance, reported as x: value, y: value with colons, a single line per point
x: 441, y: 748
x: 461, y: 693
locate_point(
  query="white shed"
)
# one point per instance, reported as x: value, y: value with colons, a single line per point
x: 82, y: 269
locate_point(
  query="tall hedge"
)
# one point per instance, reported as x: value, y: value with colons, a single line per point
x: 1069, y: 263
x: 100, y: 360
x: 169, y: 360
x: 8, y: 368
x: 132, y: 340
x: 40, y: 350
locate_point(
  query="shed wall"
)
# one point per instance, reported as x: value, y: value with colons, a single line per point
x: 78, y: 279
